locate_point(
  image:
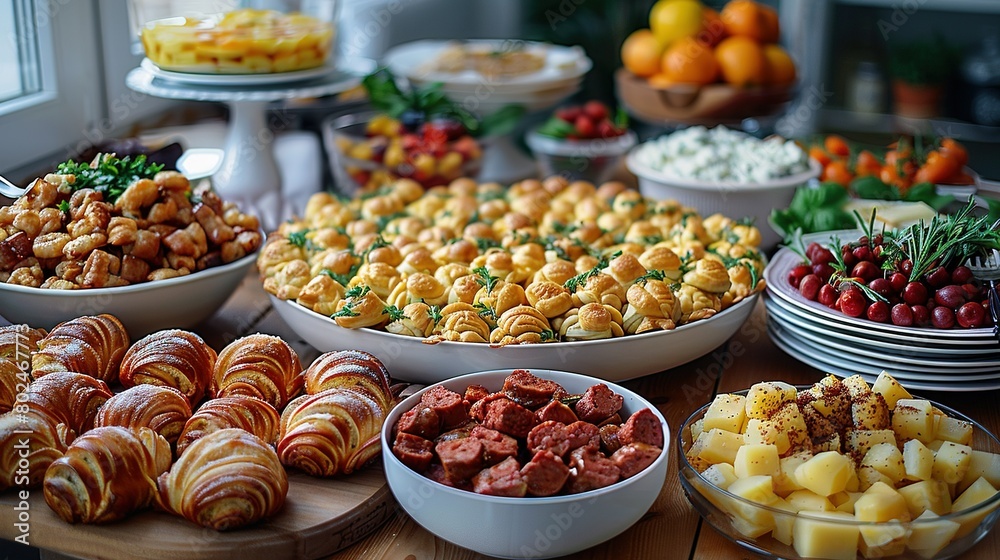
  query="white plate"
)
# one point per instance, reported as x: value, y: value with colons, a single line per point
x: 236, y: 79
x: 412, y: 61
x: 180, y: 302
x: 917, y: 366
x: 899, y: 345
x: 643, y: 170
x: 411, y: 359
x: 785, y: 260
x: 811, y: 357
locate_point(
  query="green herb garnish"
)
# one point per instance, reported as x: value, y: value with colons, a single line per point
x: 109, y: 175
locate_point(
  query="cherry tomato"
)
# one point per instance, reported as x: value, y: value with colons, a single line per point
x: 898, y: 282
x: 938, y: 277
x: 970, y: 315
x: 915, y: 293
x: 837, y: 172
x: 852, y: 302
x: 938, y: 167
x: 950, y: 145
x: 950, y: 296
x: 866, y: 270
x: 902, y: 315
x: 819, y: 155
x: 921, y: 315
x: 595, y: 110
x: 823, y: 270
x: 827, y: 295
x: 878, y: 312
x: 867, y: 164
x: 942, y: 317
x: 837, y: 145
x: 961, y: 275
x: 809, y: 286
x: 881, y: 286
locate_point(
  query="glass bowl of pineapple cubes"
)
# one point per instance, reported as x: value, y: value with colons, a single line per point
x: 840, y: 470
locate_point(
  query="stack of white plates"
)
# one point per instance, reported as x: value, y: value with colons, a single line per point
x: 923, y: 359
x: 559, y: 78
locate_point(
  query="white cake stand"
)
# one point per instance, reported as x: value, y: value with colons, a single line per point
x: 249, y: 175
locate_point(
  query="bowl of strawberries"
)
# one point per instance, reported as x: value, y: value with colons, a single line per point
x: 582, y: 142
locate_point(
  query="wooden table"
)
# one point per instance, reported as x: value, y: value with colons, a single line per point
x: 671, y: 528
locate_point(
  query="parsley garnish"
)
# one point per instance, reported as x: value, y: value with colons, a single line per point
x: 110, y: 175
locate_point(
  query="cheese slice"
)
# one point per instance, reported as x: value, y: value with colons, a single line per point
x: 891, y: 213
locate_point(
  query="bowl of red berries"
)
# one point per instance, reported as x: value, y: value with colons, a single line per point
x: 582, y: 142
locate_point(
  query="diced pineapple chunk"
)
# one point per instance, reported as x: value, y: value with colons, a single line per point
x: 856, y: 386
x: 980, y: 491
x: 825, y: 473
x: 953, y: 429
x: 719, y: 446
x: 757, y: 489
x: 844, y: 501
x: 765, y: 398
x: 830, y: 443
x: 808, y: 500
x: 886, y: 459
x: 869, y: 412
x: 881, y: 503
x: 789, y: 420
x: 951, y: 462
x: 927, y: 495
x: 785, y: 482
x: 913, y: 419
x: 756, y: 459
x: 858, y: 442
x: 929, y: 535
x: 882, y: 541
x: 869, y: 475
x: 918, y: 460
x: 825, y: 535
x: 982, y: 464
x: 725, y: 413
x: 783, y: 523
x: 890, y: 389
x: 697, y: 427
x: 765, y: 431
x: 720, y: 475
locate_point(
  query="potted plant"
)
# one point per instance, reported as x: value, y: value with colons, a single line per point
x: 919, y: 72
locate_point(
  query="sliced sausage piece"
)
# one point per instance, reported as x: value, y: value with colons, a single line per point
x: 502, y: 479
x: 529, y: 390
x: 609, y: 438
x: 583, y: 434
x: 437, y: 473
x: 420, y: 420
x: 477, y: 411
x: 590, y: 470
x: 475, y: 393
x: 643, y: 426
x: 545, y: 474
x: 549, y: 436
x: 598, y: 403
x: 461, y: 458
x: 505, y: 415
x: 556, y: 411
x: 449, y: 406
x: 413, y: 451
x: 634, y: 458
x: 498, y: 446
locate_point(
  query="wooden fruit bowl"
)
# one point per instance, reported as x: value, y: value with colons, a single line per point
x: 697, y: 105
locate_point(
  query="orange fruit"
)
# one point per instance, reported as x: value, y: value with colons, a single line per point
x: 780, y: 67
x: 660, y: 81
x: 641, y: 53
x: 689, y: 62
x: 744, y: 18
x: 712, y: 28
x: 671, y: 20
x: 771, y: 30
x: 741, y: 61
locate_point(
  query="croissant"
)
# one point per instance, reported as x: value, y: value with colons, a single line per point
x: 161, y: 409
x: 261, y: 366
x: 355, y: 369
x: 37, y: 437
x: 106, y: 474
x: 12, y: 382
x: 227, y: 479
x: 173, y: 357
x: 17, y: 342
x: 238, y: 411
x: 69, y: 398
x: 93, y: 345
x: 332, y: 432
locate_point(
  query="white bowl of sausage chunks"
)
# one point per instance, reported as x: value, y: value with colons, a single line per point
x: 525, y: 463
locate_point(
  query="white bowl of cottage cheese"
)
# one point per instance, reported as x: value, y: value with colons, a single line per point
x: 723, y: 170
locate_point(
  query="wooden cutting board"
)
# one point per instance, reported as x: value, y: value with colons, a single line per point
x: 320, y: 517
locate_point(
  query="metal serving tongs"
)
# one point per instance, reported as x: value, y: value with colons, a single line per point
x: 10, y: 190
x: 987, y: 270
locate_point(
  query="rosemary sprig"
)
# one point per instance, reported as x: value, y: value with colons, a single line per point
x: 485, y: 279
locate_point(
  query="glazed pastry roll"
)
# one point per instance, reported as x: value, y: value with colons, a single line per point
x: 497, y: 262
x: 225, y: 480
x: 697, y: 304
x: 361, y: 307
x: 557, y: 271
x: 625, y: 268
x: 331, y: 433
x: 522, y: 324
x: 46, y: 443
x: 418, y: 260
x: 461, y: 322
x: 380, y: 277
x: 161, y: 409
x: 355, y: 369
x: 662, y: 258
x: 449, y: 273
x: 629, y: 203
x: 709, y: 275
x: 500, y: 297
x: 464, y: 289
x: 592, y: 321
x: 173, y: 358
x: 261, y: 366
x: 238, y: 411
x: 603, y: 289
x: 288, y: 279
x: 418, y: 287
x: 416, y: 319
x: 17, y: 342
x: 92, y: 345
x: 549, y: 298
x: 106, y: 474
x: 652, y: 306
x: 321, y: 294
x: 12, y: 382
x: 643, y: 232
x: 67, y: 398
